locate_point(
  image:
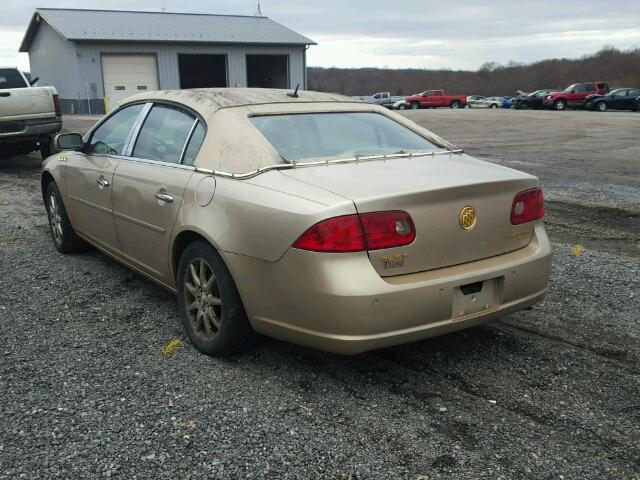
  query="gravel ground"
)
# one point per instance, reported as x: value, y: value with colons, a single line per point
x: 548, y: 393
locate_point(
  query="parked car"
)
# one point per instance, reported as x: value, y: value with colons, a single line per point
x: 574, y: 95
x: 507, y: 102
x: 532, y: 100
x: 435, y: 99
x: 29, y: 115
x: 487, y: 102
x: 383, y: 98
x: 473, y: 99
x: 618, y: 99
x: 271, y: 214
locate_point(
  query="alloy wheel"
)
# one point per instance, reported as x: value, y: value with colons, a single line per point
x: 202, y: 299
x: 55, y: 219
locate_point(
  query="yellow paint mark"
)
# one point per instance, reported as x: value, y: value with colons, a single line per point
x: 171, y: 347
x: 577, y: 250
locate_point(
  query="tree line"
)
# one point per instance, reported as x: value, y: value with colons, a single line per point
x: 619, y: 68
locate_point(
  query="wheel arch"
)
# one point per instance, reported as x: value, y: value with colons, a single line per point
x: 182, y: 240
x: 45, y: 180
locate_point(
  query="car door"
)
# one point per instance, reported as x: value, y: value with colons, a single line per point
x: 632, y: 94
x: 148, y: 188
x: 619, y: 100
x: 89, y: 177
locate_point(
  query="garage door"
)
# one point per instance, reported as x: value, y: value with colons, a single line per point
x: 126, y: 75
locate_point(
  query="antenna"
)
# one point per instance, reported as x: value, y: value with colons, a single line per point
x: 258, y: 11
x: 294, y: 94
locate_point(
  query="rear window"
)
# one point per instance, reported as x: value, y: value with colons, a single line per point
x: 10, y: 78
x: 342, y: 135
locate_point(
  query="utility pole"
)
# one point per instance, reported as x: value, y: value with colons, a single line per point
x: 258, y: 11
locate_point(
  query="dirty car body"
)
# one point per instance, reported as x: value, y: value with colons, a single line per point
x: 343, y: 226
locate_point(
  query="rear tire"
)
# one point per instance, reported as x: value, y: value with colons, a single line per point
x: 493, y: 105
x: 602, y: 107
x: 62, y: 233
x: 212, y: 312
x: 45, y: 147
x: 402, y: 106
x: 455, y: 104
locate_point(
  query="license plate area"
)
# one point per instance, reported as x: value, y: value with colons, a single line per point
x: 474, y: 298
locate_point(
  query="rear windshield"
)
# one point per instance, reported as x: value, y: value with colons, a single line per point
x: 10, y: 78
x: 342, y: 135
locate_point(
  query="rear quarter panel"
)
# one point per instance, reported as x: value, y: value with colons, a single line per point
x: 261, y: 217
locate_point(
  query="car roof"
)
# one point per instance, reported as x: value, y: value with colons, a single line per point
x: 213, y: 99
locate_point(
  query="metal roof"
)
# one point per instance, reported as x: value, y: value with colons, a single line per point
x: 212, y: 99
x: 131, y: 26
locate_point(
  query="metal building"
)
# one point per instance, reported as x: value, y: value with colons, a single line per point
x: 95, y: 58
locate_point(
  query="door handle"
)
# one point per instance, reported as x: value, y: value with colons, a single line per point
x: 163, y: 196
x: 5, y: 94
x: 103, y: 182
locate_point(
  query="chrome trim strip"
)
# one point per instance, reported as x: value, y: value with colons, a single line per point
x: 157, y: 162
x: 139, y: 222
x: 294, y: 165
x: 90, y: 204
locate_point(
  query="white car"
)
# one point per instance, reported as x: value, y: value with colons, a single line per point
x: 485, y: 102
x: 29, y: 115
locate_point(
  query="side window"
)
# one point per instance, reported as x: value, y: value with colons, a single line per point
x: 634, y: 93
x: 589, y: 87
x: 110, y: 137
x: 438, y: 93
x: 163, y: 135
x: 195, y: 143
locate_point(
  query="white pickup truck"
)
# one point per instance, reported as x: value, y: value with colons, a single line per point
x: 29, y: 116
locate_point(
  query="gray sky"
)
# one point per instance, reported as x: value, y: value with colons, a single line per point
x: 406, y: 33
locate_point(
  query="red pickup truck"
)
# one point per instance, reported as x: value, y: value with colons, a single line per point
x: 434, y: 99
x: 574, y: 95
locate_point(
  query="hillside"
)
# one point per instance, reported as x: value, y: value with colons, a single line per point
x: 619, y: 68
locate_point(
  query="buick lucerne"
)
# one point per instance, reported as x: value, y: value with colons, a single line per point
x: 309, y: 217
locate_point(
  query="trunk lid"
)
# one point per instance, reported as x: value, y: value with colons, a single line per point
x: 26, y: 104
x: 434, y: 191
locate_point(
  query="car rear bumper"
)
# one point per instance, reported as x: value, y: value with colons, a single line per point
x: 338, y: 303
x: 19, y: 131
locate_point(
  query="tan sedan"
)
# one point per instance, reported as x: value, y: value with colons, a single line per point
x: 315, y: 218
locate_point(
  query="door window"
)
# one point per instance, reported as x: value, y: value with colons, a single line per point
x: 110, y: 138
x: 634, y: 93
x: 195, y: 142
x: 163, y: 135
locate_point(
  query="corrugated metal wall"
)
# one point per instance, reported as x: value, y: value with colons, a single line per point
x: 90, y: 65
x: 53, y: 59
x: 75, y: 69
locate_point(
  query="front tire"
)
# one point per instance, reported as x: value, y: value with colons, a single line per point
x: 602, y: 107
x: 415, y: 105
x: 560, y: 105
x: 62, y: 233
x: 212, y: 312
x: 402, y: 106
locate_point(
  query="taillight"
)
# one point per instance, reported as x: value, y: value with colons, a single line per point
x: 527, y: 206
x: 387, y: 229
x: 57, y: 105
x: 357, y: 233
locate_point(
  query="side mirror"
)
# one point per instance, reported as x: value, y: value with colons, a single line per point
x: 69, y: 141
